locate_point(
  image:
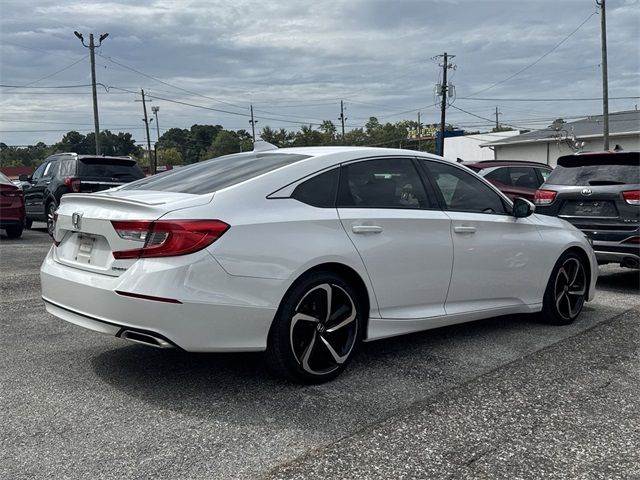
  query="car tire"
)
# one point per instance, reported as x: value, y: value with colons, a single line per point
x: 14, y: 232
x: 28, y: 223
x: 316, y: 330
x: 51, y: 210
x: 566, y: 291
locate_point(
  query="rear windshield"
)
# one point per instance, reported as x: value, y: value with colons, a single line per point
x: 109, y: 168
x: 216, y: 174
x: 596, y: 170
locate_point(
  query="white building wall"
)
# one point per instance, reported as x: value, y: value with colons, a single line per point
x: 548, y: 152
x: 468, y: 147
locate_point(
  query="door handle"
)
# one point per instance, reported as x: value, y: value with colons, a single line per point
x: 366, y: 228
x: 464, y: 229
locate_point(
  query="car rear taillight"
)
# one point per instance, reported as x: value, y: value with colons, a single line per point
x: 12, y: 193
x: 632, y: 197
x: 544, y: 197
x: 73, y: 183
x: 167, y: 238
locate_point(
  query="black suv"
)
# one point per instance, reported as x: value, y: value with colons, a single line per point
x: 72, y: 173
x: 599, y: 193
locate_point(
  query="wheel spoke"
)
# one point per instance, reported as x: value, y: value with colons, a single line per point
x: 563, y: 272
x: 329, y: 291
x: 576, y: 271
x: 577, y: 292
x: 304, y: 360
x: 346, y: 321
x: 303, y: 317
x: 569, y: 307
x: 338, y: 359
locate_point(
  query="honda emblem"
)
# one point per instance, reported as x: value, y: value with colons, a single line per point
x: 75, y: 220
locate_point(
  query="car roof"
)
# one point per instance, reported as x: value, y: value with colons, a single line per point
x: 505, y: 163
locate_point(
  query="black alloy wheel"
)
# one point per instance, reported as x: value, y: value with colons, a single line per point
x: 566, y: 291
x: 316, y: 331
x: 51, y: 210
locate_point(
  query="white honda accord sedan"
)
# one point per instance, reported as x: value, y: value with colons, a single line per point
x: 306, y: 252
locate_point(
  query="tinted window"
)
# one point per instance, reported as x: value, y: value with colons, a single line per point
x: 462, y: 191
x: 384, y: 183
x: 595, y: 175
x: 111, y: 169
x: 499, y: 175
x: 523, y: 177
x: 545, y: 173
x: 67, y: 168
x: 49, y: 169
x: 216, y: 174
x: 38, y: 173
x: 319, y: 191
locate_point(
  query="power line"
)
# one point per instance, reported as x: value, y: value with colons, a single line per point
x: 536, y: 61
x: 169, y: 84
x: 26, y: 85
x: 547, y: 99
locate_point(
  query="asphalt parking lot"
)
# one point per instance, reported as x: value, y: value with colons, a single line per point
x: 502, y: 398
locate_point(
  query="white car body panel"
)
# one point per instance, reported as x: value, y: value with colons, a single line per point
x: 418, y: 272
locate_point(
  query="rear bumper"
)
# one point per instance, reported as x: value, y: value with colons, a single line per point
x: 208, y: 319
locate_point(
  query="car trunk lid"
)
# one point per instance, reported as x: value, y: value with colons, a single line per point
x: 84, y: 232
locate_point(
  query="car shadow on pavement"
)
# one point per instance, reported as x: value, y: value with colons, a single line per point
x: 625, y: 280
x: 385, y: 375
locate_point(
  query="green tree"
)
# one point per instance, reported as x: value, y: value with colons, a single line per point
x: 226, y: 142
x: 170, y: 156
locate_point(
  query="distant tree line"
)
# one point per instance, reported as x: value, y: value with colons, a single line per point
x: 181, y: 146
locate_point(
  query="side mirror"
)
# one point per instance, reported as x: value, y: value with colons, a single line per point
x: 23, y: 178
x: 522, y: 207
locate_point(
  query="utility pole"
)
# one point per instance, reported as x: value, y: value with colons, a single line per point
x: 605, y: 81
x: 419, y: 132
x: 342, y: 118
x: 152, y: 164
x: 92, y: 46
x: 155, y: 145
x: 444, y: 88
x: 497, y: 123
x: 253, y: 126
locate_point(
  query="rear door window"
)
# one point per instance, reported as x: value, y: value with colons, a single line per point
x: 523, y: 177
x: 382, y: 183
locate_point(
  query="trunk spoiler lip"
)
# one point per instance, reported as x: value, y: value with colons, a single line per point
x: 100, y: 197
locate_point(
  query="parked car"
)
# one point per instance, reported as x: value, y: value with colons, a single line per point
x: 12, y: 216
x: 599, y: 193
x: 306, y: 252
x: 69, y: 172
x: 514, y: 178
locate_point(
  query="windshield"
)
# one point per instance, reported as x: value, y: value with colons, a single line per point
x: 216, y: 174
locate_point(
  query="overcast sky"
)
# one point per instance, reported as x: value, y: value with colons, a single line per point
x: 295, y: 60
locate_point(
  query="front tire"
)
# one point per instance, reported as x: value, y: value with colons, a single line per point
x: 317, y: 329
x: 566, y: 290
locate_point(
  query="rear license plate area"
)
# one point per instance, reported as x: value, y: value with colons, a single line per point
x: 86, y: 244
x: 589, y: 208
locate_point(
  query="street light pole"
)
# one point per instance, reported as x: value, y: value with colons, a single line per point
x: 92, y: 46
x: 605, y: 81
x: 155, y: 146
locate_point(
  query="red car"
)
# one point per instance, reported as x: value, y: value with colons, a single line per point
x: 12, y: 214
x: 512, y: 177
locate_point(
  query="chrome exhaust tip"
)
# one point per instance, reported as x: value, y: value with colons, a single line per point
x: 144, y: 339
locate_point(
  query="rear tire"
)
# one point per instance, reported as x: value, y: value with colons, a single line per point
x: 51, y: 210
x: 317, y: 329
x: 566, y: 290
x: 14, y: 232
x: 28, y: 223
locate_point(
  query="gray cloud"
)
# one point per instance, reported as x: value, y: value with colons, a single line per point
x: 374, y: 54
